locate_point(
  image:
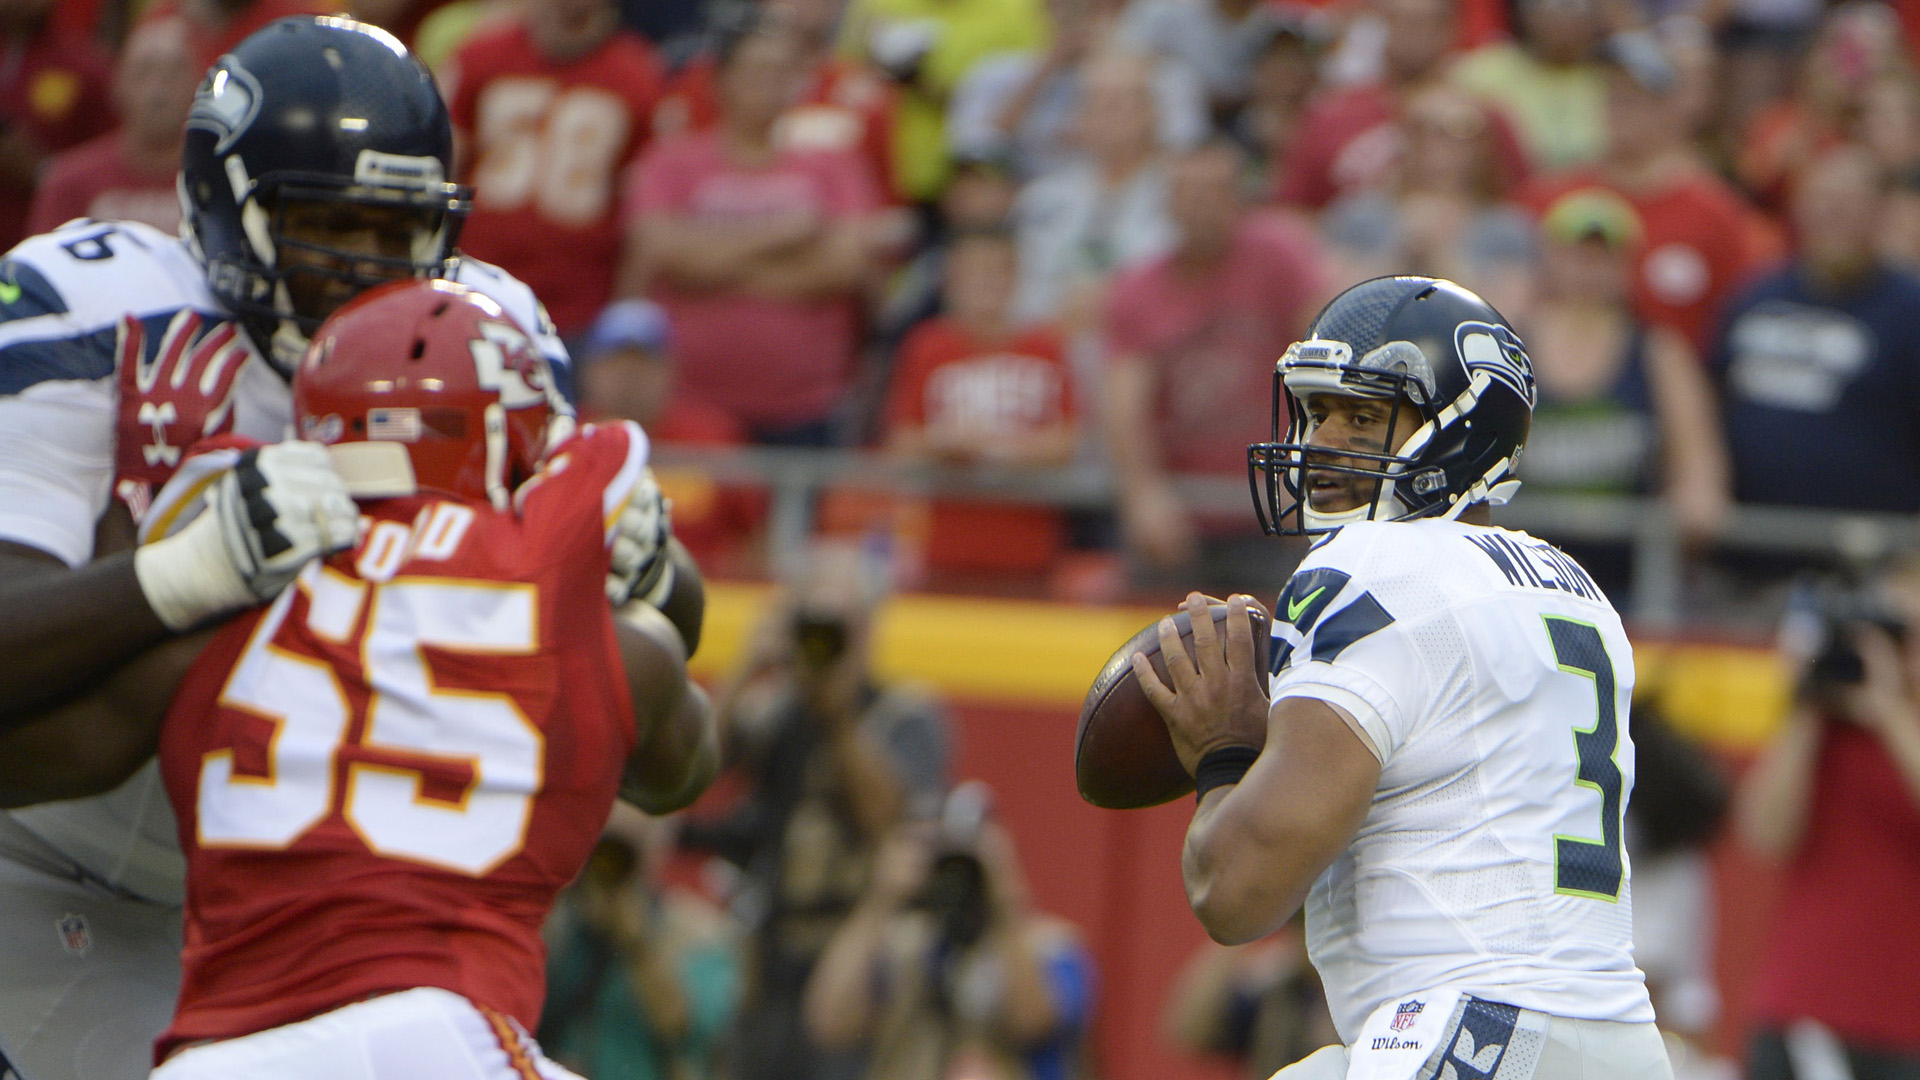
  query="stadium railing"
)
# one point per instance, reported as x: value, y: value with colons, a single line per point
x: 795, y: 477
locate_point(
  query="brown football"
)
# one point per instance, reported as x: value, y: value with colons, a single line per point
x: 1123, y: 757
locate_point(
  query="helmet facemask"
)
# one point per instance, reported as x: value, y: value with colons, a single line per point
x: 1407, y: 481
x: 314, y: 167
x: 298, y: 278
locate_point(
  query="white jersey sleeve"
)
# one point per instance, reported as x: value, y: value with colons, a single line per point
x: 1494, y: 680
x: 1334, y: 641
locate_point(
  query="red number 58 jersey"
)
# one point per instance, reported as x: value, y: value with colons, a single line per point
x: 383, y: 778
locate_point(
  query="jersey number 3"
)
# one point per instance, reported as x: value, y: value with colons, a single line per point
x: 409, y: 721
x: 1584, y: 867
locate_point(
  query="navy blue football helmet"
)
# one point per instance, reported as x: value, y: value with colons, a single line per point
x: 315, y: 110
x: 1428, y: 342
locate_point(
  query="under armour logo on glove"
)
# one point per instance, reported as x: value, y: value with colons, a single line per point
x: 176, y: 387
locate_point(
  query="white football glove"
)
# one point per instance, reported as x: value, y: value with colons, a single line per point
x: 640, y: 568
x: 279, y: 508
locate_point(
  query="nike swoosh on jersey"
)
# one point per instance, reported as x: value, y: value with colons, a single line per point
x: 1294, y: 608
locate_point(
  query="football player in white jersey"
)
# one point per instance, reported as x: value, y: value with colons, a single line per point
x: 315, y: 165
x: 1438, y: 765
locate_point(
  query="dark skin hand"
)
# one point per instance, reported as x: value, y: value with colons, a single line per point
x: 1255, y: 848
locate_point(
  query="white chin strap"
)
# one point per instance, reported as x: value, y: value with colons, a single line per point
x: 289, y: 344
x: 1322, y: 521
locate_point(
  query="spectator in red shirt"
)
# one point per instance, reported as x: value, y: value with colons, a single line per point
x: 971, y: 388
x: 214, y: 27
x: 1350, y: 137
x: 127, y: 174
x: 1192, y: 340
x: 844, y: 106
x: 1836, y: 798
x: 758, y: 253
x: 53, y: 95
x: 548, y: 110
x: 1701, y: 239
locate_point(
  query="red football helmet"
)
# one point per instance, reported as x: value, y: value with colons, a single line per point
x: 441, y: 370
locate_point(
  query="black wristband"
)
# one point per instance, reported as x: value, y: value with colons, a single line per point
x: 1222, y: 766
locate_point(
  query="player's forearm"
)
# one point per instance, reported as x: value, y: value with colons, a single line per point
x: 1255, y: 848
x: 681, y: 756
x: 1244, y: 877
x: 685, y: 605
x: 93, y: 743
x: 63, y: 631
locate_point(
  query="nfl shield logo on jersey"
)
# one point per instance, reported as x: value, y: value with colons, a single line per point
x: 75, y: 937
x: 1406, y: 1014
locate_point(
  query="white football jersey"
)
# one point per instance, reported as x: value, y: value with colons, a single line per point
x: 63, y: 296
x: 1493, y: 680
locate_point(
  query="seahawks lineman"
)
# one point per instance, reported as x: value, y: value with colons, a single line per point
x: 1443, y: 770
x: 315, y: 166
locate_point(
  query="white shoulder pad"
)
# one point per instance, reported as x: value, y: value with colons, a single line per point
x: 85, y: 275
x: 517, y: 298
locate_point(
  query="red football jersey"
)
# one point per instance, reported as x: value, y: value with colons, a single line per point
x: 383, y: 778
x: 546, y: 145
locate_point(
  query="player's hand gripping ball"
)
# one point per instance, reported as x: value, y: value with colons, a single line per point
x: 1123, y: 757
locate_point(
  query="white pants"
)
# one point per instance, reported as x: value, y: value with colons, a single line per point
x: 87, y: 976
x: 1574, y: 1050
x: 421, y: 1034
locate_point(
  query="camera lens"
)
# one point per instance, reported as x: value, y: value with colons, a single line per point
x: 819, y: 640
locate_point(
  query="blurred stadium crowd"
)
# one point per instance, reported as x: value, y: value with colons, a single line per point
x: 1051, y: 234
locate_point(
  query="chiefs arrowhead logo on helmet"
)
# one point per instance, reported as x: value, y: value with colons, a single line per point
x: 441, y: 370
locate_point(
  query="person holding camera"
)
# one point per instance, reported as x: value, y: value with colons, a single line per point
x: 1836, y: 798
x: 833, y: 758
x: 642, y: 977
x: 943, y: 970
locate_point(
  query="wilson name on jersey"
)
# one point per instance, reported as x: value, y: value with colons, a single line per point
x: 1493, y: 681
x: 383, y: 778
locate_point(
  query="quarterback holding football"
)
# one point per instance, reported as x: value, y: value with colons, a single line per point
x: 1439, y: 764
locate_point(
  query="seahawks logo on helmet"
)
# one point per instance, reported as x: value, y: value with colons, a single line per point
x: 226, y: 103
x: 1496, y: 351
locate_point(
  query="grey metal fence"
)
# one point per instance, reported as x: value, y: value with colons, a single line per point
x: 795, y: 477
